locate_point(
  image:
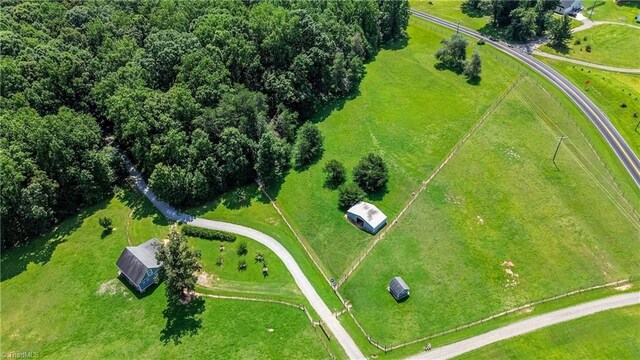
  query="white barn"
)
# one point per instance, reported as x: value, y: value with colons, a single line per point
x: 367, y: 216
x: 568, y: 7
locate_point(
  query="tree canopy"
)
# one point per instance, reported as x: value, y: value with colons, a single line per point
x: 191, y: 90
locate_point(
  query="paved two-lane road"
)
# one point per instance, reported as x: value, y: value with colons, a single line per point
x: 622, y: 150
x: 529, y: 325
x: 339, y: 333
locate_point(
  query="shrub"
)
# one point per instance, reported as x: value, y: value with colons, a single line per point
x: 371, y: 173
x: 349, y: 195
x: 481, y: 42
x: 208, y: 234
x: 623, y: 105
x: 309, y: 145
x: 336, y: 174
x: 588, y: 48
x: 577, y: 42
x: 105, y: 222
x: 220, y: 261
x: 242, y: 249
x: 242, y: 265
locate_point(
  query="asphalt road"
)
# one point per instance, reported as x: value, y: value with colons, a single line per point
x: 528, y: 325
x: 327, y: 317
x: 622, y: 150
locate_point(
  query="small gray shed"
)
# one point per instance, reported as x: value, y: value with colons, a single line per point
x: 398, y: 288
x: 139, y: 265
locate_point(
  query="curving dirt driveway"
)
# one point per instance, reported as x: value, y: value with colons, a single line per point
x: 345, y: 340
x: 586, y: 63
x: 529, y: 325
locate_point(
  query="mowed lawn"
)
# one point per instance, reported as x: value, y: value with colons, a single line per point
x: 407, y: 112
x: 609, y: 91
x: 608, y: 10
x: 500, y: 199
x: 612, y: 45
x: 613, y: 334
x: 61, y: 298
x: 277, y: 283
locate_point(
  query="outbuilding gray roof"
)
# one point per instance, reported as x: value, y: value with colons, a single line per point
x: 136, y: 260
x: 369, y: 213
x: 398, y: 288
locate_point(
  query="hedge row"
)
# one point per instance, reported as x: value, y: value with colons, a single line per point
x: 207, y: 233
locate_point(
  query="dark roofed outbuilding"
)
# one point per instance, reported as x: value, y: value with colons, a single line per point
x: 398, y: 288
x: 139, y: 265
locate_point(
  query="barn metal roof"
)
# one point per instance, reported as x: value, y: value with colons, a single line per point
x: 369, y: 213
x: 136, y: 260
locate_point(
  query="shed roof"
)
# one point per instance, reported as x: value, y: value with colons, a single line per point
x: 136, y: 260
x: 397, y: 285
x: 369, y: 213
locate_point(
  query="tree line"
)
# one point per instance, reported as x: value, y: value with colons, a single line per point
x: 203, y: 95
x: 522, y: 20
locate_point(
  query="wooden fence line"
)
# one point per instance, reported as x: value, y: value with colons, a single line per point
x: 386, y: 348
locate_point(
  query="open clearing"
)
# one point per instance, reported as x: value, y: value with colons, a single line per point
x: 61, y: 298
x: 609, y: 91
x: 608, y: 10
x: 613, y: 334
x: 407, y: 112
x: 612, y: 45
x: 511, y: 205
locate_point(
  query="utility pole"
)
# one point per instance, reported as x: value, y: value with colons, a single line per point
x: 560, y: 138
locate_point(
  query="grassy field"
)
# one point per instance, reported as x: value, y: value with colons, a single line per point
x: 609, y: 90
x: 613, y: 334
x: 607, y: 10
x: 61, y: 298
x: 278, y: 282
x: 450, y: 10
x: 511, y: 205
x: 407, y: 112
x: 613, y: 45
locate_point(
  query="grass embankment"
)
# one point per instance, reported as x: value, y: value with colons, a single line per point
x: 613, y: 334
x: 450, y: 10
x: 609, y: 91
x: 612, y: 45
x: 62, y: 299
x: 608, y: 10
x: 511, y: 205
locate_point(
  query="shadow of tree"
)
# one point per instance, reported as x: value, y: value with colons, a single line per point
x: 398, y: 44
x: 456, y: 68
x: 378, y: 195
x: 141, y: 207
x: 233, y: 200
x: 470, y: 11
x: 135, y: 291
x: 474, y: 80
x: 40, y: 249
x: 182, y: 320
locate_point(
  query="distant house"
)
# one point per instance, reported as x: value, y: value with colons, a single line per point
x: 398, y: 288
x: 138, y: 264
x: 568, y: 7
x: 366, y: 216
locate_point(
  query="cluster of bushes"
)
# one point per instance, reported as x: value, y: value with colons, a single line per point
x: 370, y: 176
x: 453, y: 56
x: 204, y: 95
x: 208, y: 234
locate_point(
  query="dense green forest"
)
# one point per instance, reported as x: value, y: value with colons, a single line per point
x: 202, y: 95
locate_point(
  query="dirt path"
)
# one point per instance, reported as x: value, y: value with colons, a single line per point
x: 529, y: 325
x: 585, y: 63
